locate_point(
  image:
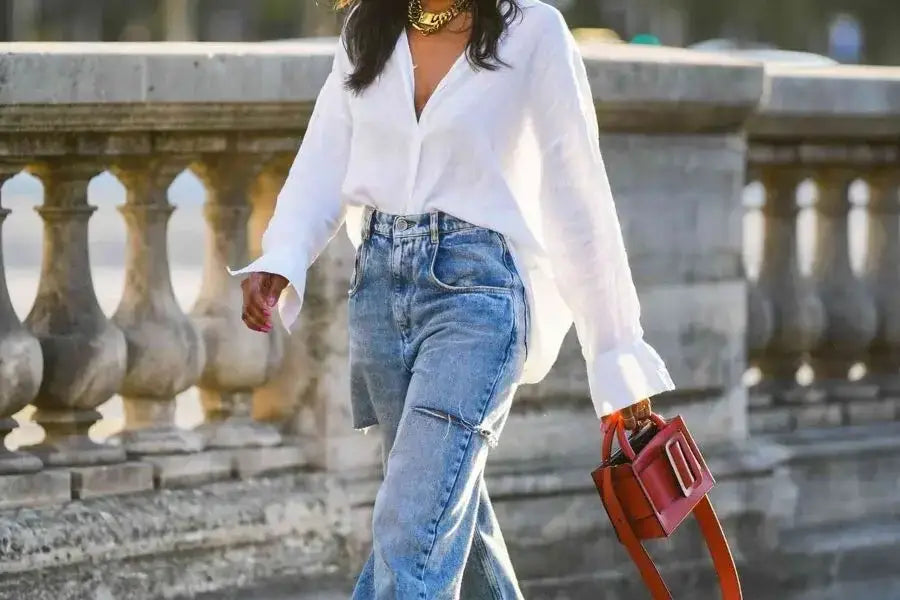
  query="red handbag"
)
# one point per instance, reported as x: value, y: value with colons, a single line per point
x: 650, y: 486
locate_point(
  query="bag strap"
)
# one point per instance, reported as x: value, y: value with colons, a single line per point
x: 709, y: 526
x: 718, y: 549
x: 642, y: 560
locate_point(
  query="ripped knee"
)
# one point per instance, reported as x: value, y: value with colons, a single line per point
x: 452, y: 420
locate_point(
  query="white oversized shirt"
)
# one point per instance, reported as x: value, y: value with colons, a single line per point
x: 515, y: 150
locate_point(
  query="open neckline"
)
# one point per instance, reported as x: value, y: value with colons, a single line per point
x: 411, y: 78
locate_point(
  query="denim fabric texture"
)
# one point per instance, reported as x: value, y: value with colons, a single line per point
x: 437, y: 346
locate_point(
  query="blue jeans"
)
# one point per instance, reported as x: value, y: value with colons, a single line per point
x: 437, y: 346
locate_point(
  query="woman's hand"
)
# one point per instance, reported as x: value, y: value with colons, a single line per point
x: 261, y: 293
x: 634, y: 417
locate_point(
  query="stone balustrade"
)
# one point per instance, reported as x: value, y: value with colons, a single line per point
x: 274, y: 482
x: 835, y: 315
x: 125, y: 116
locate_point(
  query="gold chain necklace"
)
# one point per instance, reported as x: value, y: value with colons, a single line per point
x: 430, y: 22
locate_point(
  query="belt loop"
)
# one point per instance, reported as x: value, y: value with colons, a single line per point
x: 368, y: 213
x: 434, y: 228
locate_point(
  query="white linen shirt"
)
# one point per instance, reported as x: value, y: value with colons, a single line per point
x: 515, y: 150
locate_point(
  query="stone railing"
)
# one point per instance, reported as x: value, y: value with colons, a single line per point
x: 232, y: 132
x: 824, y: 318
x: 273, y: 482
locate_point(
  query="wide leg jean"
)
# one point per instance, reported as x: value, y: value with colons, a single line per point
x: 437, y: 345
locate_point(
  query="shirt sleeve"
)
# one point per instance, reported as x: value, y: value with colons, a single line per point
x: 309, y: 210
x: 581, y: 231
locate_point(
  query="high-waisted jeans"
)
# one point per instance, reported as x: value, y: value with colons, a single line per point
x: 437, y: 346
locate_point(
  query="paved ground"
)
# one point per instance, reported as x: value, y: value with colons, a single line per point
x: 869, y: 590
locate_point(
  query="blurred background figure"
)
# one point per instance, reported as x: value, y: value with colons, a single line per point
x: 845, y: 40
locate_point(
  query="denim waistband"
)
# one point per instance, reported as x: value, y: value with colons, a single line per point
x: 428, y: 224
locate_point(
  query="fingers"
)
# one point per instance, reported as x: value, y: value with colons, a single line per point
x: 256, y: 313
x: 628, y: 419
x: 634, y: 416
x: 275, y: 285
x: 642, y: 410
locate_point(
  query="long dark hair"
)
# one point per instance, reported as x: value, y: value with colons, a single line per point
x: 373, y: 26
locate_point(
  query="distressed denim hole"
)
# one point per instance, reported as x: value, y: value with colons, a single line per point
x: 487, y: 435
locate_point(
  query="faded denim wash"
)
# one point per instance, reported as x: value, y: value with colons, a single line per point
x: 437, y: 346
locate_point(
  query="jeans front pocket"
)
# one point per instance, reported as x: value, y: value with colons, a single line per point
x: 472, y: 260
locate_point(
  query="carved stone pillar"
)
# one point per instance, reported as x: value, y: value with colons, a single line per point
x: 165, y: 350
x: 882, y: 274
x: 84, y: 354
x: 276, y: 401
x: 263, y: 195
x: 783, y: 300
x: 21, y: 364
x: 850, y: 311
x: 324, y: 417
x: 238, y: 359
x: 760, y: 311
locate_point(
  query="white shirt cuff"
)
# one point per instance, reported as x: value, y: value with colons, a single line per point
x: 626, y: 375
x: 290, y: 265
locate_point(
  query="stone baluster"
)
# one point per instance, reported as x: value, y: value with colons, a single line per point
x: 165, y: 350
x: 84, y: 353
x: 785, y: 315
x: 849, y: 309
x: 276, y: 401
x: 882, y: 274
x: 238, y: 359
x: 324, y: 419
x: 760, y: 310
x: 263, y: 195
x: 786, y: 303
x: 308, y: 395
x: 21, y: 364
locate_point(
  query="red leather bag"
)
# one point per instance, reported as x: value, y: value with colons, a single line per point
x: 650, y: 486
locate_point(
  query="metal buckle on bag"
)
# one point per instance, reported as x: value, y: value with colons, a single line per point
x: 685, y: 489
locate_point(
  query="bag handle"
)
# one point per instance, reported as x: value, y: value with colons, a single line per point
x: 616, y: 427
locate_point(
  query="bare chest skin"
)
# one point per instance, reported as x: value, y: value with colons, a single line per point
x: 434, y: 55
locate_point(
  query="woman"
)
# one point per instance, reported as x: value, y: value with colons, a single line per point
x: 459, y: 143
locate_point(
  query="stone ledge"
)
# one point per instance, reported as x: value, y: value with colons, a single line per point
x: 857, y: 441
x: 211, y: 86
x: 187, y: 118
x: 298, y: 528
x: 179, y: 470
x: 804, y: 570
x: 219, y: 515
x: 109, y: 480
x: 823, y: 556
x: 252, y: 462
x: 163, y: 73
x: 844, y: 475
x: 52, y: 486
x: 642, y: 88
x: 851, y: 102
